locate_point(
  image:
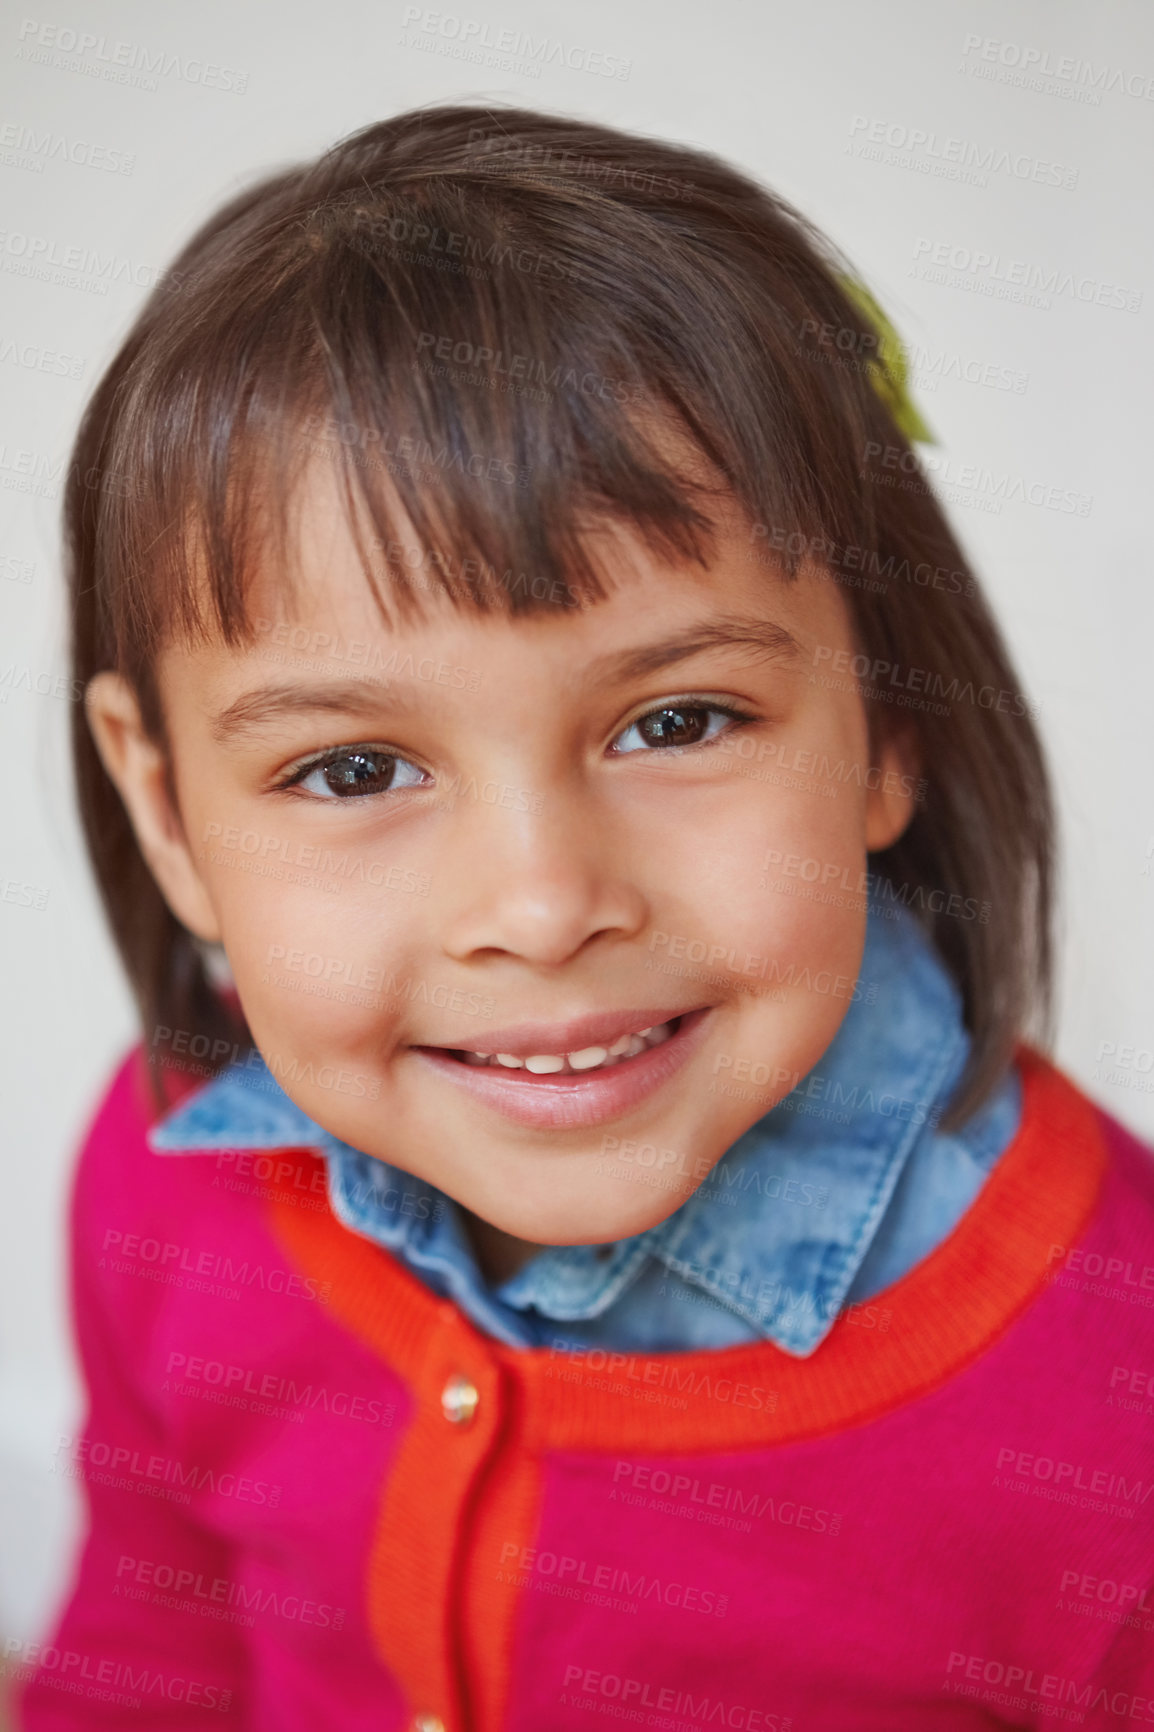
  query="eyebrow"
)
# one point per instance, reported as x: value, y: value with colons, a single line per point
x: 765, y: 639
x: 248, y: 714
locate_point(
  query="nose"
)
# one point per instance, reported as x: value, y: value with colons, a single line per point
x: 537, y: 885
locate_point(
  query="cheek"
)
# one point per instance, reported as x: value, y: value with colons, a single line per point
x: 813, y: 878
x: 783, y: 875
x: 316, y: 966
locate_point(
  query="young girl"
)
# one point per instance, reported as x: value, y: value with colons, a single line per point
x: 518, y: 637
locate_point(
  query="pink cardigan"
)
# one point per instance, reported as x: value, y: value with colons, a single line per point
x: 321, y: 1499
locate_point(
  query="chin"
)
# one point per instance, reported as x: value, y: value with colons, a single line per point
x: 591, y: 1226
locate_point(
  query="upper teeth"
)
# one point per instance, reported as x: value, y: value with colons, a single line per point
x: 586, y: 1058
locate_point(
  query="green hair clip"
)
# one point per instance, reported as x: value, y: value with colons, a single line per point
x: 889, y: 369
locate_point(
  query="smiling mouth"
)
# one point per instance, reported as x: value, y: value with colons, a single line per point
x: 548, y: 1091
x: 583, y: 1062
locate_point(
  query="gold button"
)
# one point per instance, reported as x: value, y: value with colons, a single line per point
x: 428, y: 1723
x: 459, y: 1400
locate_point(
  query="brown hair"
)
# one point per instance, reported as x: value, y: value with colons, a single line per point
x: 459, y: 300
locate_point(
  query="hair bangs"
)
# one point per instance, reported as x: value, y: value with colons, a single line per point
x: 477, y: 421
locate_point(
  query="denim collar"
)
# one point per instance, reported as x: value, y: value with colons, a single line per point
x: 776, y: 1233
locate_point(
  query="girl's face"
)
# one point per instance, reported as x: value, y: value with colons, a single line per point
x: 535, y: 838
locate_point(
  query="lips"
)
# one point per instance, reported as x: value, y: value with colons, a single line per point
x: 571, y: 1098
x: 587, y: 1058
x: 597, y: 1028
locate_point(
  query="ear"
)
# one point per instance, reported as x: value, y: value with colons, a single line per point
x: 890, y: 806
x: 138, y: 766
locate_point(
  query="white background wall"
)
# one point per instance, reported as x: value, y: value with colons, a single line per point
x: 788, y: 92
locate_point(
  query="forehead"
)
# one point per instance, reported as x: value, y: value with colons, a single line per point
x: 315, y: 592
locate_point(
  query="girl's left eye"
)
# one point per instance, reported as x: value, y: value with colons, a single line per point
x: 354, y: 772
x: 679, y: 724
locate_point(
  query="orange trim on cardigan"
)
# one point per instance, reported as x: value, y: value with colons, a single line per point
x: 454, y: 1491
x: 504, y: 1521
x: 422, y: 1536
x: 473, y: 1492
x: 944, y: 1312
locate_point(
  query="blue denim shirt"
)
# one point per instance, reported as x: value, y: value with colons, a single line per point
x: 822, y: 1203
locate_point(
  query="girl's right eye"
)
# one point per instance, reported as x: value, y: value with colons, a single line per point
x: 354, y: 772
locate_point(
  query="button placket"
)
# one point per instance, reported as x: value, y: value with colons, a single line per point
x: 460, y: 1399
x: 461, y: 1416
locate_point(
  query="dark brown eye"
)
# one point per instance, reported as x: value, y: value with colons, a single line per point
x: 680, y: 726
x: 357, y: 771
x: 675, y: 725
x: 360, y: 773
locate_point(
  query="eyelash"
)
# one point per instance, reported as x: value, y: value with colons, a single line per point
x: 739, y: 718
